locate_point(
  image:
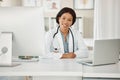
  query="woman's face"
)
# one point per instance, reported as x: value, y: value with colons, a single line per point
x: 65, y: 21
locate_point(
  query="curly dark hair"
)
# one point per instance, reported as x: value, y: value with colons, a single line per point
x: 66, y: 10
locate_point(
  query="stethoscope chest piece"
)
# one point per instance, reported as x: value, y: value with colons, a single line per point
x: 56, y: 50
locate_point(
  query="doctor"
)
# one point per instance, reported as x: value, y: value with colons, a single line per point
x: 63, y: 41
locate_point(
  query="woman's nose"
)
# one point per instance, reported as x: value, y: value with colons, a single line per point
x: 65, y: 22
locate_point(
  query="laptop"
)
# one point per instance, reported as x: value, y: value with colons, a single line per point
x: 104, y: 52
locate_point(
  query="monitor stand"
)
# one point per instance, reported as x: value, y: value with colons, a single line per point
x: 6, y: 50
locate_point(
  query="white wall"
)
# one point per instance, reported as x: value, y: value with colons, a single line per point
x: 87, y: 14
x: 11, y: 3
x: 107, y: 19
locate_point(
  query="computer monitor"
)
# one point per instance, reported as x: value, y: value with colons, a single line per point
x: 27, y: 26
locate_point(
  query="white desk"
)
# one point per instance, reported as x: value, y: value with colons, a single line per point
x: 106, y: 71
x: 45, y: 67
x: 61, y: 68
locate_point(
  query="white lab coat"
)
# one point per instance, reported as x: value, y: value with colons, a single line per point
x: 51, y: 43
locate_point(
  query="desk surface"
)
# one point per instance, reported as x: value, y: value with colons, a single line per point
x: 105, y: 71
x: 61, y: 67
x: 45, y: 67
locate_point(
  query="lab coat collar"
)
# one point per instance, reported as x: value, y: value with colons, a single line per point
x: 70, y: 42
x: 59, y: 37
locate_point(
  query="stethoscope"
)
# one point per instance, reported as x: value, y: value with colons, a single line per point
x: 71, y: 34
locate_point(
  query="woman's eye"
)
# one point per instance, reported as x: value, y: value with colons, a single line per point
x: 70, y: 20
x: 63, y: 18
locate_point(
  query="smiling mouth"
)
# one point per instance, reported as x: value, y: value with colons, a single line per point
x: 64, y: 25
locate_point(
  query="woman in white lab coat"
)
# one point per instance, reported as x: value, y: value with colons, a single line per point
x: 63, y: 41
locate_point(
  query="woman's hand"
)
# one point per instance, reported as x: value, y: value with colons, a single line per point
x: 68, y: 55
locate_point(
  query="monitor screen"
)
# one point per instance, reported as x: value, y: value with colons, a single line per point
x: 27, y: 26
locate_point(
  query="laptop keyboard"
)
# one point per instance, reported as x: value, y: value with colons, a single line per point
x: 85, y: 61
x: 89, y: 62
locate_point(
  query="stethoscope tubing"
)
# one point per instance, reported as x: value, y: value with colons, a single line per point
x: 71, y: 34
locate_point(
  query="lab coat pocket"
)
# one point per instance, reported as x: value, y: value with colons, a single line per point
x: 56, y: 46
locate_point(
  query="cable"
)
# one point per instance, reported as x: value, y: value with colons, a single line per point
x: 56, y: 31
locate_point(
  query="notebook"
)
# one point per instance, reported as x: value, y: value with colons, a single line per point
x: 105, y: 52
